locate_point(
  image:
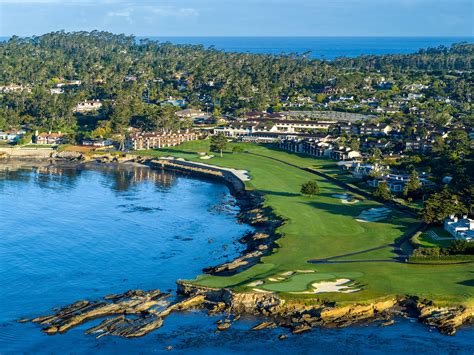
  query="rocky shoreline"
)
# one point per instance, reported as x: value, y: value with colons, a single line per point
x: 300, y: 317
x: 136, y: 312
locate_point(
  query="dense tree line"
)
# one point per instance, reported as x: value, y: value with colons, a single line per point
x: 209, y: 79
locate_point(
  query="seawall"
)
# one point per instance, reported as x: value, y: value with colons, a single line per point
x: 26, y: 153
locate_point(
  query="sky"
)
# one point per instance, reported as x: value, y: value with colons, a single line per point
x: 240, y: 17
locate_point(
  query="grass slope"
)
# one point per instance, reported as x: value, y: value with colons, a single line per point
x: 322, y: 227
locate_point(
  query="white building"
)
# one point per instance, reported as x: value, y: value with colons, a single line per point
x: 88, y: 106
x: 460, y: 228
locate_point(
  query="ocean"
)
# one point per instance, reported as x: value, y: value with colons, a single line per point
x: 318, y: 47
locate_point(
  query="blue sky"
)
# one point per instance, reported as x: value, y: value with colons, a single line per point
x: 241, y: 17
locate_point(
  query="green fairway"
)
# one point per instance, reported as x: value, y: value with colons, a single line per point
x: 322, y: 227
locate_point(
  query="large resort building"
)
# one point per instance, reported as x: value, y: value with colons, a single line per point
x: 150, y: 140
x: 462, y: 228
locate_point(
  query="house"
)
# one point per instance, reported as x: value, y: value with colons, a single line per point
x: 378, y: 129
x: 11, y: 136
x: 174, y: 102
x: 460, y: 228
x: 56, y: 91
x: 49, y: 138
x: 97, y: 142
x: 190, y: 113
x: 359, y: 170
x: 418, y: 145
x: 88, y: 106
x: 150, y: 140
x: 348, y: 128
x: 68, y: 83
x: 414, y: 96
x: 397, y: 182
x: 13, y: 88
x: 344, y: 153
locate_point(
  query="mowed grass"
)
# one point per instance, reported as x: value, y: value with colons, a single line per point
x: 321, y: 227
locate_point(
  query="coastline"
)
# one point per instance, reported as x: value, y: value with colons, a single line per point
x: 293, y: 314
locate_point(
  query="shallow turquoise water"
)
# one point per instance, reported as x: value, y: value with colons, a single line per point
x: 72, y: 233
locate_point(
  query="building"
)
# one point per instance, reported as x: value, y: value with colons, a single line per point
x: 11, y: 136
x: 69, y: 83
x: 418, y: 145
x: 344, y: 153
x: 397, y: 182
x: 97, y: 142
x: 56, y: 91
x: 319, y: 147
x: 190, y: 113
x: 235, y: 130
x: 88, y: 106
x: 460, y: 228
x: 5, y: 89
x: 49, y: 138
x: 292, y: 126
x: 378, y: 129
x: 174, y: 102
x: 150, y: 140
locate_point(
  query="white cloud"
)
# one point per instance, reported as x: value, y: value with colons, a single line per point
x: 173, y: 11
x: 120, y: 13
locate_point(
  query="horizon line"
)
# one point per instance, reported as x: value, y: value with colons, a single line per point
x: 253, y: 36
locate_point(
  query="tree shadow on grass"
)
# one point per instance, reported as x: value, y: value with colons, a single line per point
x: 279, y: 193
x: 469, y: 283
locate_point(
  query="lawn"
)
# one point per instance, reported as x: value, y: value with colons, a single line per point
x: 435, y: 237
x: 323, y: 227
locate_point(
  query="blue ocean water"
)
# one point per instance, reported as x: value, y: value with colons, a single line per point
x: 71, y: 233
x: 319, y: 47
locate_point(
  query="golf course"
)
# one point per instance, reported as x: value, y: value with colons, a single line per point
x: 335, y: 246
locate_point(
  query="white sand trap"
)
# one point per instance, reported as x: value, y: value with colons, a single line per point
x: 346, y: 198
x: 276, y: 279
x: 304, y: 271
x: 340, y: 285
x: 259, y: 290
x: 287, y: 274
x: 373, y: 214
x: 206, y: 157
x: 255, y: 283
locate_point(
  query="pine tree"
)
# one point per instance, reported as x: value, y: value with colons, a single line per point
x: 383, y: 192
x: 218, y: 143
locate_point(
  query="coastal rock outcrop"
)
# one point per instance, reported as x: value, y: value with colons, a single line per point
x: 146, y: 309
x: 446, y: 320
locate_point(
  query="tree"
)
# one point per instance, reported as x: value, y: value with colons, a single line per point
x: 382, y: 191
x: 354, y: 145
x: 218, y: 143
x: 413, y: 185
x: 310, y: 188
x: 441, y: 205
x: 237, y: 149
